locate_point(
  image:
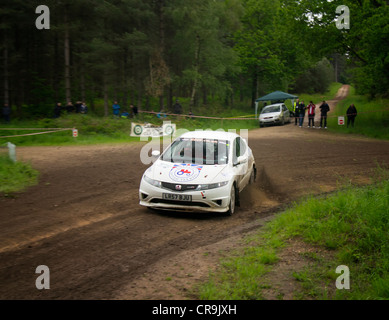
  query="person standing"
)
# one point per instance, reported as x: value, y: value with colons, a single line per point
x: 116, y: 109
x: 296, y: 111
x: 351, y: 115
x: 135, y: 111
x: 302, y: 109
x: 177, y: 107
x: 6, y: 113
x: 324, y: 109
x: 57, y: 110
x: 83, y: 108
x: 70, y: 107
x: 311, y: 114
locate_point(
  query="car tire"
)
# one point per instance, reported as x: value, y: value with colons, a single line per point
x: 232, y: 204
x: 252, y: 176
x: 282, y: 121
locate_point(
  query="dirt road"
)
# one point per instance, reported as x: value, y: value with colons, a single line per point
x: 83, y: 220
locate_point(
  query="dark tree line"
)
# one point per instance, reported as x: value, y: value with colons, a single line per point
x: 134, y: 50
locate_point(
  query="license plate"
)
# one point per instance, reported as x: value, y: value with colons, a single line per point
x: 178, y: 197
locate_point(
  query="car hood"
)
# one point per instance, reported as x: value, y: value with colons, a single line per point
x: 187, y: 173
x: 271, y: 114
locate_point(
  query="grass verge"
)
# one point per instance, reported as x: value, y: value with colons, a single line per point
x: 15, y: 176
x: 353, y: 224
x: 96, y: 130
x: 372, y: 120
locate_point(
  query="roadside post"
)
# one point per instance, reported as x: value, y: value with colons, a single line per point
x: 11, y: 151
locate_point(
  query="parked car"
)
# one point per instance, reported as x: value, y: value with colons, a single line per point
x: 199, y: 171
x: 274, y: 114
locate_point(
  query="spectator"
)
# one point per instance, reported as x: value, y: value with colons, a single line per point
x: 311, y: 114
x: 116, y: 109
x: 70, y: 107
x: 57, y: 110
x: 78, y: 106
x: 83, y: 108
x: 177, y: 109
x: 351, y: 115
x: 324, y: 109
x: 161, y: 114
x: 302, y: 109
x: 133, y: 111
x: 6, y: 113
x: 125, y: 115
x: 296, y: 111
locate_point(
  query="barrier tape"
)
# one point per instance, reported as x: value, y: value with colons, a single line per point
x: 32, y: 134
x: 167, y: 114
x: 22, y: 129
x: 243, y: 117
x: 193, y: 116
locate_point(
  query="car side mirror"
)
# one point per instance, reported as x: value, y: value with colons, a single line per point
x: 241, y: 160
x: 155, y: 153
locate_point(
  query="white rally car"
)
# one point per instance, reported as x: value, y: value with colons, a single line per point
x: 199, y: 171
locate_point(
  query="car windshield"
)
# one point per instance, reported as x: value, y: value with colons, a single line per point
x: 271, y: 109
x: 197, y: 151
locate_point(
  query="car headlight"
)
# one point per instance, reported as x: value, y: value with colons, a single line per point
x: 153, y: 182
x: 211, y: 186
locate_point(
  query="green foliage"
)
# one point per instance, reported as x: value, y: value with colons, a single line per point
x: 15, y: 176
x: 372, y: 120
x: 352, y: 223
x: 366, y: 42
x: 316, y: 79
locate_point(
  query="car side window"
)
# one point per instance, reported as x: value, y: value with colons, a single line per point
x: 239, y: 148
x: 243, y: 147
x: 284, y: 107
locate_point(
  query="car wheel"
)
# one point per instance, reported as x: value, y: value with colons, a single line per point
x: 252, y: 176
x: 282, y: 121
x: 231, y: 209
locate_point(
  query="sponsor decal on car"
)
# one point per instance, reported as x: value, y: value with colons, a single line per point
x: 185, y: 172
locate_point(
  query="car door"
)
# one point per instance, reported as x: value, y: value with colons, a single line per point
x: 241, y: 172
x: 286, y: 113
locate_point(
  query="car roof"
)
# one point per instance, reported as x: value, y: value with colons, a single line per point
x: 273, y: 105
x: 210, y: 134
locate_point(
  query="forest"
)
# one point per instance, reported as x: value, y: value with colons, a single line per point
x: 151, y: 52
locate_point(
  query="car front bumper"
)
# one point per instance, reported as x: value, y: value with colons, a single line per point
x: 269, y: 121
x: 213, y: 200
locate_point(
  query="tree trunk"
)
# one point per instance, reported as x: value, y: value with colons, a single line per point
x: 162, y: 42
x: 140, y: 93
x: 6, y: 80
x: 105, y: 93
x: 241, y: 85
x: 254, y: 89
x: 67, y: 58
x: 82, y: 81
x: 196, y: 68
x: 205, y: 93
x: 170, y: 98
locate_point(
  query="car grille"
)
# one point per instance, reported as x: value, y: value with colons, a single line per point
x: 183, y: 203
x: 184, y: 187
